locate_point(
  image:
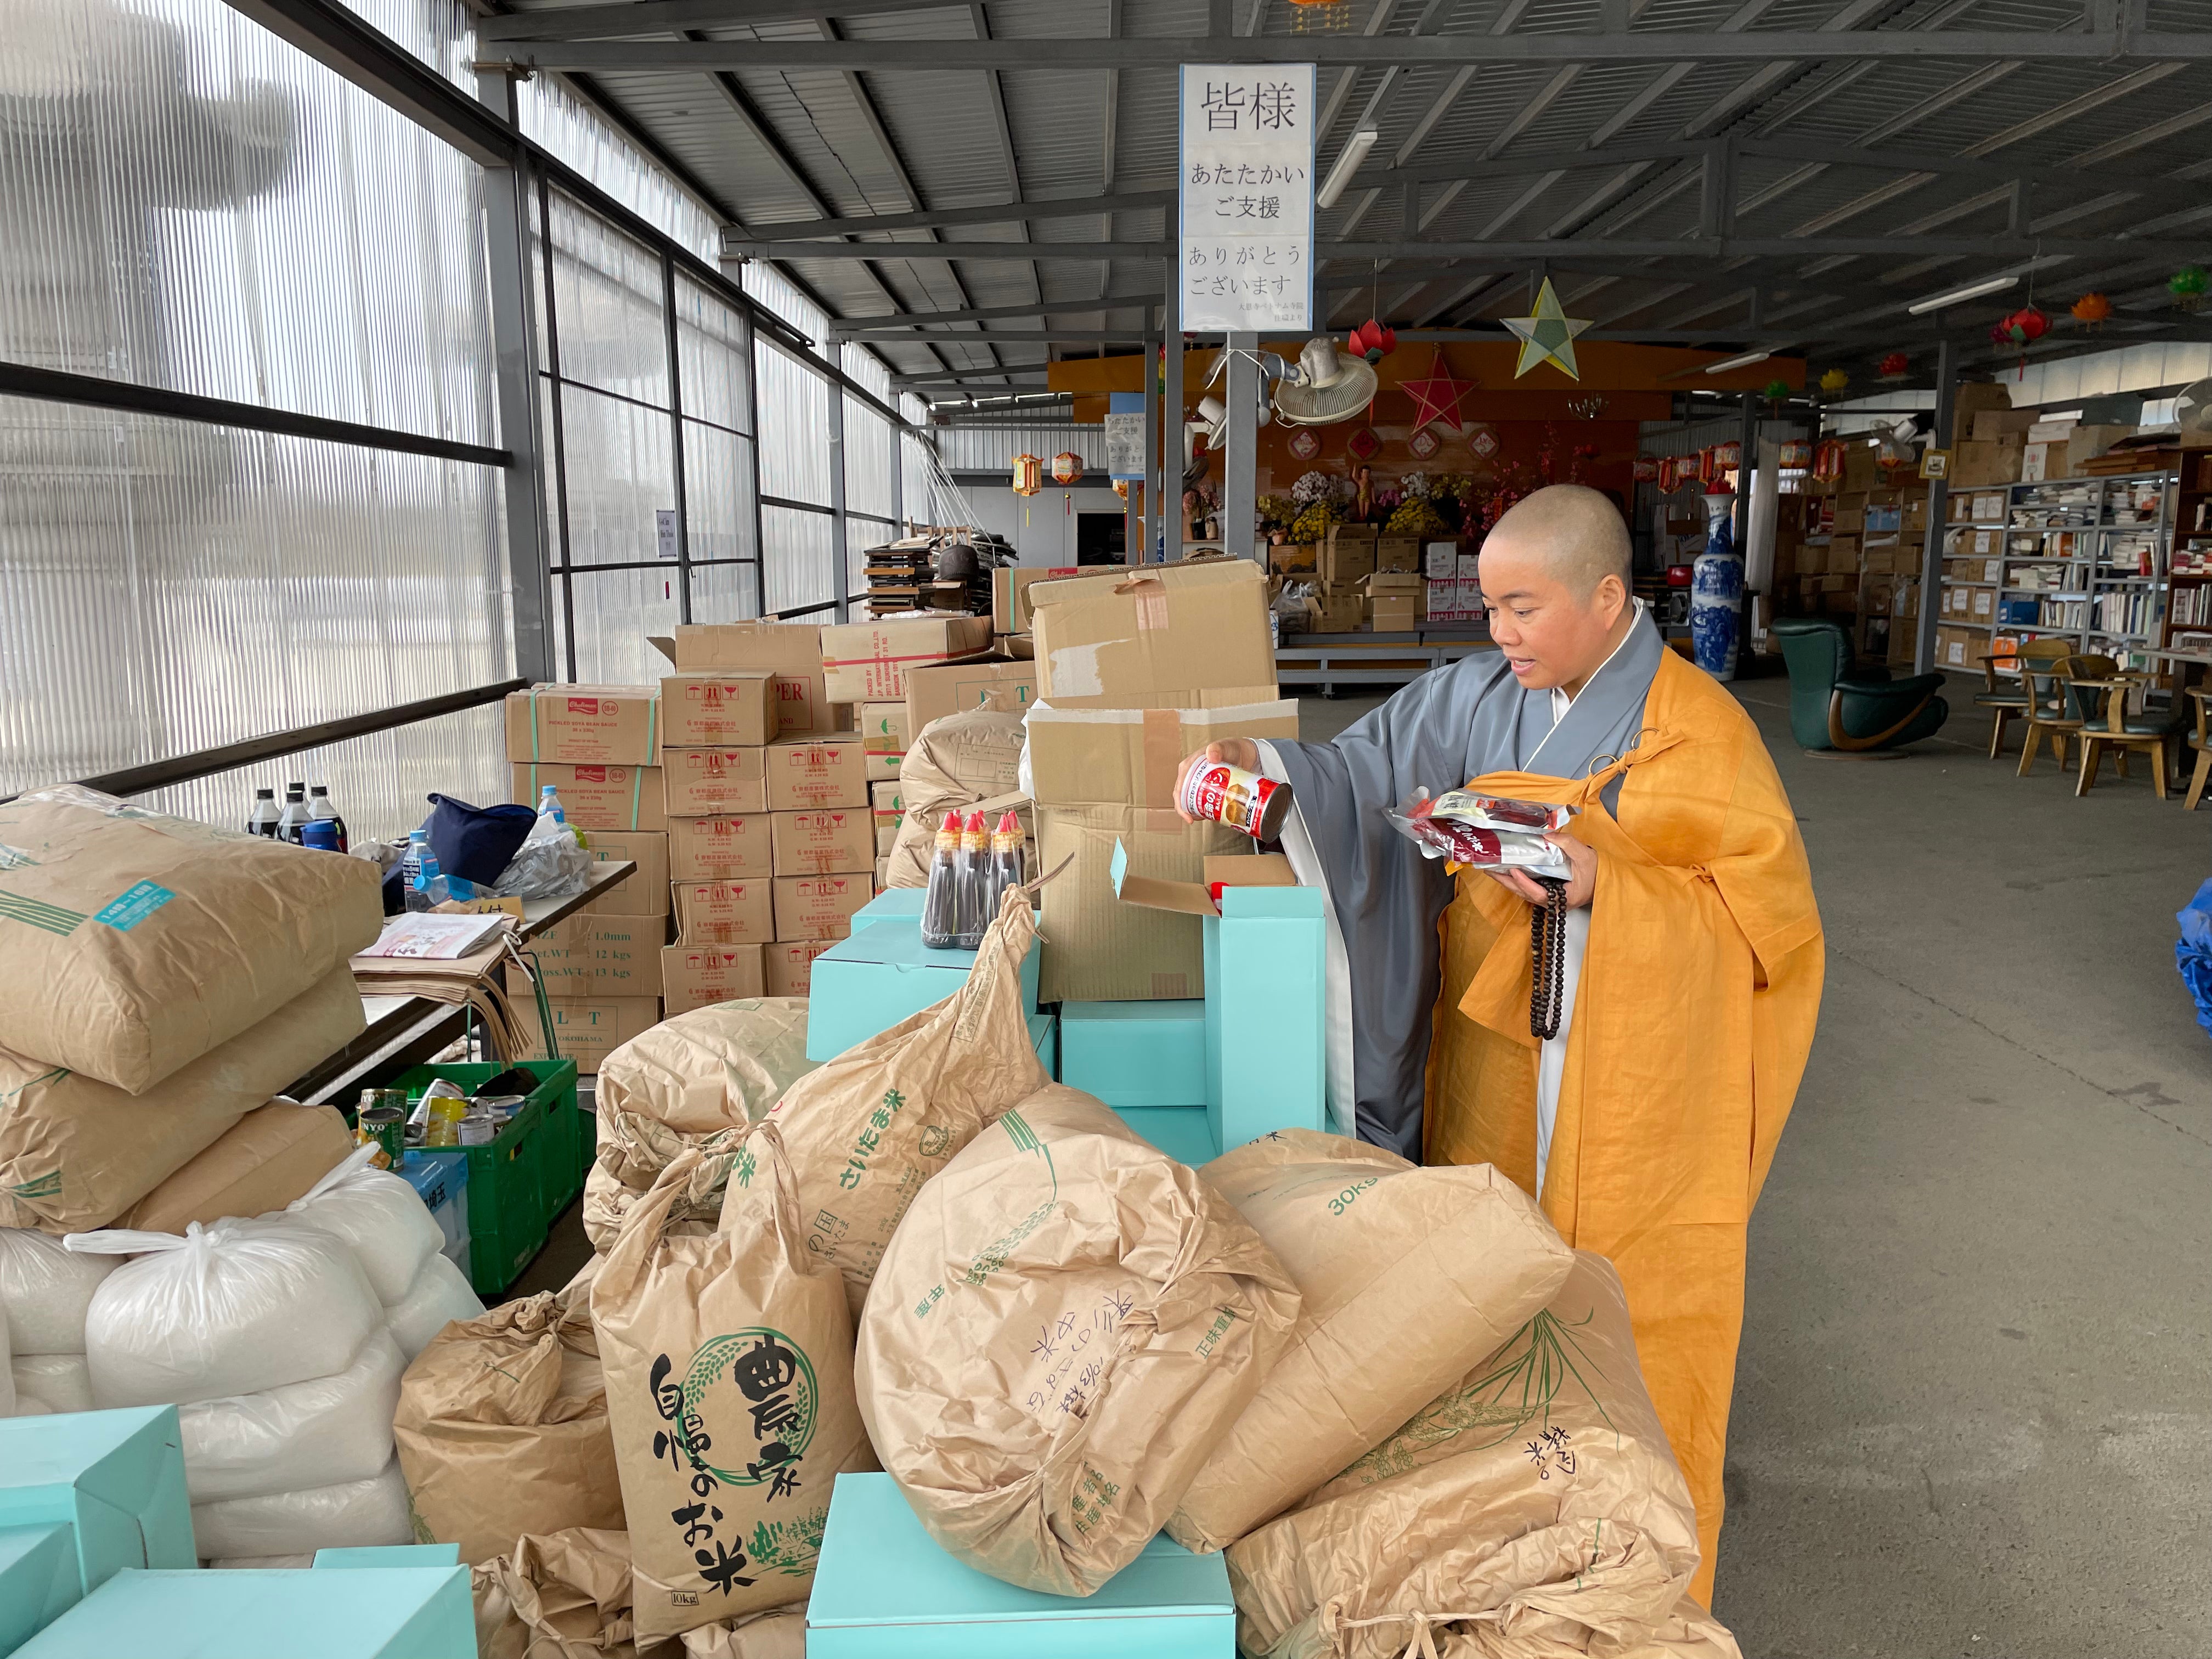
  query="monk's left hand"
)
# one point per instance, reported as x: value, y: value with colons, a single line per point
x: 1581, y: 878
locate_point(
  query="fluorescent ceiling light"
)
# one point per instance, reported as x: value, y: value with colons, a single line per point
x: 1745, y: 362
x: 1971, y: 291
x: 1347, y: 163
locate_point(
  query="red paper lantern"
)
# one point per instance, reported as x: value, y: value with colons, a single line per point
x: 2027, y: 323
x: 1066, y: 467
x: 1828, y: 458
x: 1645, y: 470
x: 1894, y: 365
x: 1029, y: 474
x: 1796, y: 453
x: 2091, y: 310
x: 1373, y: 342
x: 1728, y: 456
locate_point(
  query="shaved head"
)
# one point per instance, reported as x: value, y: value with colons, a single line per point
x: 1574, y: 532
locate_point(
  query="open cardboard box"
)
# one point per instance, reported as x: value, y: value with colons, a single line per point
x: 1195, y: 898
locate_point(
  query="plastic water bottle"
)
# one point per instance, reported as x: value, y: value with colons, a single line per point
x: 426, y: 888
x: 549, y: 806
x: 262, y: 820
x: 319, y: 807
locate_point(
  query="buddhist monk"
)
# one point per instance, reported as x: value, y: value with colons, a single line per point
x: 1692, y: 949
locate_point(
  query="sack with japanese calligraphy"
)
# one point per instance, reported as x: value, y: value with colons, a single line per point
x: 699, y: 1079
x: 729, y: 1378
x: 867, y: 1129
x: 1425, y: 1270
x: 1066, y: 1325
x: 502, y: 1428
x: 1532, y: 1510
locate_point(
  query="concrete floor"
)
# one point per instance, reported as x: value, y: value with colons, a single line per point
x: 1973, y: 1407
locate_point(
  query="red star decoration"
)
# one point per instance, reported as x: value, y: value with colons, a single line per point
x: 1437, y: 397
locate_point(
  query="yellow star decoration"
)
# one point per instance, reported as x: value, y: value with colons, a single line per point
x: 1550, y: 334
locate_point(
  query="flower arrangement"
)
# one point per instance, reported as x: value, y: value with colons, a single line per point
x: 1277, y: 512
x: 1318, y: 486
x: 1416, y: 517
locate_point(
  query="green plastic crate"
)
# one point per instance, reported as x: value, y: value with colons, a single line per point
x: 525, y: 1178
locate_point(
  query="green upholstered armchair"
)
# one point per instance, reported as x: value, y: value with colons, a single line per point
x: 1835, y: 705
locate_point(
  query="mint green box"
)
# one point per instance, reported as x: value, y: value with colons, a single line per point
x: 899, y: 904
x: 1183, y: 1133
x: 883, y: 974
x: 1135, y: 1053
x: 38, y: 1580
x: 116, y: 1479
x: 1044, y: 1038
x: 885, y: 1589
x: 331, y: 1613
x: 1264, y: 1016
x: 391, y: 1555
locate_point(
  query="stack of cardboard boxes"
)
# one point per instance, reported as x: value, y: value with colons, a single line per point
x: 1359, y: 577
x: 598, y: 747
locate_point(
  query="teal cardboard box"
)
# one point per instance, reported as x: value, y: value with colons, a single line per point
x: 38, y: 1580
x: 329, y: 1612
x: 885, y: 1589
x: 900, y: 904
x: 1044, y: 1038
x: 116, y: 1479
x: 883, y: 974
x: 1134, y: 1053
x: 1185, y: 1133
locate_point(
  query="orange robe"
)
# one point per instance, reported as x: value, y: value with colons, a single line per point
x: 1700, y: 986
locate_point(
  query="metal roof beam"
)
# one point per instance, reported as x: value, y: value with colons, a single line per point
x: 1432, y: 51
x: 666, y: 16
x: 988, y: 314
x: 1039, y: 336
x: 1702, y: 249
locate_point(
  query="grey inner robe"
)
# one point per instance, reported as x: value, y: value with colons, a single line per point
x: 1384, y: 898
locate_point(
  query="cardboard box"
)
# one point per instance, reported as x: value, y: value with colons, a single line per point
x: 885, y: 732
x: 879, y: 976
x: 1135, y: 1053
x: 805, y: 774
x: 2035, y: 463
x: 1005, y: 683
x: 1293, y: 559
x: 820, y: 907
x: 887, y: 810
x: 115, y: 1479
x: 721, y: 848
x: 725, y: 912
x: 595, y: 725
x: 646, y: 891
x: 837, y: 839
x: 1988, y: 425
x: 2088, y: 442
x: 1398, y: 553
x: 1971, y: 399
x: 589, y: 1029
x: 1842, y: 556
x: 1339, y: 534
x: 1440, y: 561
x: 788, y: 965
x: 1389, y: 614
x: 1010, y: 594
x: 791, y: 651
x: 1349, y: 559
x: 2057, y: 430
x: 389, y: 1609
x: 596, y: 954
x: 698, y: 782
x: 735, y: 709
x: 1960, y: 649
x: 1334, y: 613
x: 699, y: 976
x: 1129, y: 756
x: 1159, y: 639
x: 868, y: 662
x: 596, y: 796
x: 1098, y: 949
x: 1974, y: 463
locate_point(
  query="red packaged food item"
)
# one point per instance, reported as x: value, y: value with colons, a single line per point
x: 1222, y: 794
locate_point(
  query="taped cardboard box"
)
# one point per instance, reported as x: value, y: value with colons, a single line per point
x: 1159, y: 639
x: 819, y: 907
x: 884, y: 733
x: 788, y: 964
x: 1347, y: 560
x: 1398, y: 554
x: 1293, y: 559
x: 1129, y: 756
x: 646, y: 892
x: 734, y: 709
x: 791, y: 651
x: 592, y: 955
x: 823, y: 843
x: 589, y: 1029
x: 1098, y: 949
x: 868, y: 662
x: 725, y: 912
x: 808, y: 773
x: 594, y: 724
x: 1010, y: 595
x: 886, y: 808
x: 722, y: 848
x: 596, y: 796
x: 697, y: 976
x: 702, y: 783
x: 1008, y: 685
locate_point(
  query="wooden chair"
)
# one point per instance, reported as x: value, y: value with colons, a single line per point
x: 2200, y: 741
x: 2002, y: 697
x: 2097, y: 692
x: 2048, y: 714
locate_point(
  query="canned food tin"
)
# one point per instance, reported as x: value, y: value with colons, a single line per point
x: 1230, y: 795
x: 388, y: 1129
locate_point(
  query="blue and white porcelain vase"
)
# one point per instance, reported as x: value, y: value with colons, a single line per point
x: 1716, y: 592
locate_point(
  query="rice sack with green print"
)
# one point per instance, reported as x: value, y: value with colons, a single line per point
x: 1406, y: 1277
x: 1532, y: 1509
x: 728, y: 1365
x: 1066, y: 1324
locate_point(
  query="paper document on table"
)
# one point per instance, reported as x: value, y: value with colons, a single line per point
x: 428, y: 936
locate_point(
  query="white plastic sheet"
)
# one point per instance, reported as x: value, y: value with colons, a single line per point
x: 238, y: 1307
x: 358, y: 1514
x: 323, y: 1433
x: 440, y: 1295
x: 44, y: 1289
x: 390, y: 1229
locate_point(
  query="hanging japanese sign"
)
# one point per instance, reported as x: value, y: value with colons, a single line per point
x: 1246, y: 152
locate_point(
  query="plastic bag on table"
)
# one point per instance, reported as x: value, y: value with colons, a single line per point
x: 551, y: 863
x: 1483, y: 831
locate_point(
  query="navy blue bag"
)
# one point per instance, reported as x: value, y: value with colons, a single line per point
x: 476, y: 843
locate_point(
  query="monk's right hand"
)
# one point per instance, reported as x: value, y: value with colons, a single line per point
x: 1232, y: 751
